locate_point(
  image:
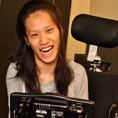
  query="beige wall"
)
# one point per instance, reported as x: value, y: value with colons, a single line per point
x: 73, y: 46
x: 105, y: 8
x: 102, y: 8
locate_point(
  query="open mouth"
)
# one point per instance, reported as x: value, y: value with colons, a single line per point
x: 46, y: 50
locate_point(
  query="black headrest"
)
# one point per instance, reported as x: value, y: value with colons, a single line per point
x: 95, y: 30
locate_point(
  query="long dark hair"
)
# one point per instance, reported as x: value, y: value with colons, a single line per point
x: 23, y: 54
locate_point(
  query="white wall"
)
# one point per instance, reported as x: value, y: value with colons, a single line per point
x: 73, y: 46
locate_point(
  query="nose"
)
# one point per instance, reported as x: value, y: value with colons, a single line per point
x: 44, y: 39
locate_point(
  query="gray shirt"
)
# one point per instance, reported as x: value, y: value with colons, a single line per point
x: 78, y: 88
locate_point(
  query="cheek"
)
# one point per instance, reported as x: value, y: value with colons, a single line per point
x: 57, y: 38
x: 33, y: 44
x: 33, y: 41
x: 57, y: 44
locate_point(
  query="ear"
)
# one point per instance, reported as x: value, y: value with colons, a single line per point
x: 26, y: 39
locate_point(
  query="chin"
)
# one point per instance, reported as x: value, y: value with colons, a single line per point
x: 50, y: 61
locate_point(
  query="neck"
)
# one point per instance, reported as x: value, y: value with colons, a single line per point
x: 46, y: 69
x: 45, y: 72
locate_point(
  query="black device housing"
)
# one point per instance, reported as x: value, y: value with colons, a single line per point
x: 48, y: 105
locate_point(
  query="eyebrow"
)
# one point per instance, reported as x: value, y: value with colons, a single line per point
x: 44, y: 27
x: 32, y: 31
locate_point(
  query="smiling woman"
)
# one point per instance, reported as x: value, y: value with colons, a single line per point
x: 44, y: 38
x: 38, y: 63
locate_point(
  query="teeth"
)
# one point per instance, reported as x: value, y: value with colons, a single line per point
x: 46, y: 49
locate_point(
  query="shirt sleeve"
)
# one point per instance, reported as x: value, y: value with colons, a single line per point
x: 83, y: 91
x: 79, y: 86
x: 13, y: 84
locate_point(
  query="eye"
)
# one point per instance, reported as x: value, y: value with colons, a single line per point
x: 49, y: 30
x: 34, y: 34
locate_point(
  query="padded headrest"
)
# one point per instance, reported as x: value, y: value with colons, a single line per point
x: 95, y: 30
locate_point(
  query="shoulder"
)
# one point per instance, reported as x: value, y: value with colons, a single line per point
x: 13, y: 83
x: 11, y: 71
x: 79, y: 86
x: 76, y: 67
x: 79, y: 72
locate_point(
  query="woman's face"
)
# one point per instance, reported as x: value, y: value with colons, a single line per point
x: 43, y: 36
